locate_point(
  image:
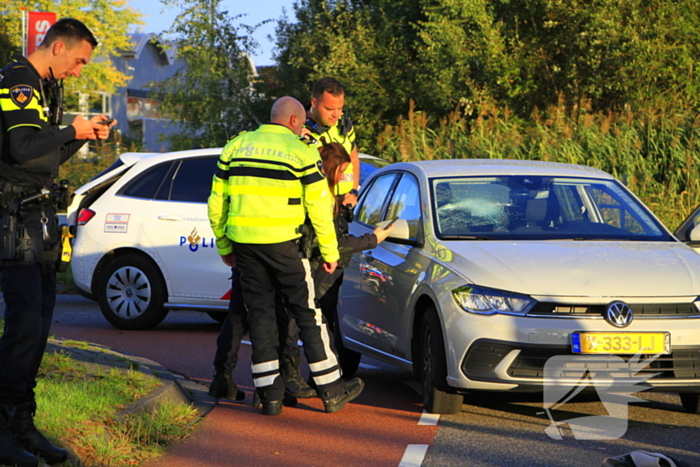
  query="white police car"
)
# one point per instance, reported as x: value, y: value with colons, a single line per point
x: 143, y: 242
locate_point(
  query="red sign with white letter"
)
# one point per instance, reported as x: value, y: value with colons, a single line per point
x: 38, y: 25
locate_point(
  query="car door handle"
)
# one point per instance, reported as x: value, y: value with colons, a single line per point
x: 169, y: 217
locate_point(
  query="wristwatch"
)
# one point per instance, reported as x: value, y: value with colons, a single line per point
x: 354, y: 192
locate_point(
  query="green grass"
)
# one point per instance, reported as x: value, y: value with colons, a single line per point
x: 78, y: 405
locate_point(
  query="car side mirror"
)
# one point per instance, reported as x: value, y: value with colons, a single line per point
x: 401, y: 233
x: 694, y: 235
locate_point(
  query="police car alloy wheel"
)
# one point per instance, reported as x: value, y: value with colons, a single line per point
x: 131, y: 293
x: 437, y: 397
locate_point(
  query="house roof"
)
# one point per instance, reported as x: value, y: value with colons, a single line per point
x: 139, y: 41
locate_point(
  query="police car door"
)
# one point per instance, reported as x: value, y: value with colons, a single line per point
x: 179, y: 229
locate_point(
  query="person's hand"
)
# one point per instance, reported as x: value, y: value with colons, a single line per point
x: 229, y: 260
x: 350, y: 199
x: 85, y: 129
x: 102, y: 131
x: 330, y: 267
x: 383, y: 233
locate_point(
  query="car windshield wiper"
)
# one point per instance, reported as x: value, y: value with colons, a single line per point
x: 464, y: 237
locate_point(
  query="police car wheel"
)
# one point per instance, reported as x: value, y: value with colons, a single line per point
x: 437, y: 395
x: 131, y: 293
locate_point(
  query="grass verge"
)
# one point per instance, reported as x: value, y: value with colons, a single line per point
x: 78, y: 406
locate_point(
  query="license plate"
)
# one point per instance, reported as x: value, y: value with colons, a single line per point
x: 621, y: 342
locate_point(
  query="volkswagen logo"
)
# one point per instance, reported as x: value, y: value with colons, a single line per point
x: 619, y: 314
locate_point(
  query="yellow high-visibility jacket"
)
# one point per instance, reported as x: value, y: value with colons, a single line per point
x: 267, y: 181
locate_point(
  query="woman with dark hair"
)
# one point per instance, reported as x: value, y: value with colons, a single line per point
x: 327, y: 286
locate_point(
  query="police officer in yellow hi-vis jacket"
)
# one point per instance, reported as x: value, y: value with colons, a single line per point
x: 326, y: 123
x: 266, y: 183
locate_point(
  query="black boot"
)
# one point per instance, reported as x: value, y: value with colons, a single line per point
x: 337, y: 395
x: 294, y: 384
x: 287, y: 401
x: 223, y: 386
x: 22, y: 426
x: 11, y: 452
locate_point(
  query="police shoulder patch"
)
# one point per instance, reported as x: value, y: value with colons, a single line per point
x: 21, y: 95
x: 319, y: 165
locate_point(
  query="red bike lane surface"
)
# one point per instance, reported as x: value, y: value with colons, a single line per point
x: 373, y: 430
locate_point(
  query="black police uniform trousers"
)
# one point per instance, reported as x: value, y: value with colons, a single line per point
x: 234, y: 327
x: 266, y: 268
x: 29, y: 292
x: 232, y: 330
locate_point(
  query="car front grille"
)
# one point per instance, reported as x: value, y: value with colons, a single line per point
x: 482, y: 358
x: 649, y: 310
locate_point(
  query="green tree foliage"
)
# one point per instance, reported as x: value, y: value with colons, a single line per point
x: 469, y: 55
x: 109, y: 20
x: 212, y: 96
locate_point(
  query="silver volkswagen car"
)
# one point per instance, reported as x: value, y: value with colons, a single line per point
x: 495, y: 267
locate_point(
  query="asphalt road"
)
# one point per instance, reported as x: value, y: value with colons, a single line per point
x: 385, y: 426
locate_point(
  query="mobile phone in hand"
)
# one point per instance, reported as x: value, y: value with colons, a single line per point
x: 106, y: 122
x: 390, y: 223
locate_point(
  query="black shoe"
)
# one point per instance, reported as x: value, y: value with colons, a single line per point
x: 12, y: 453
x: 294, y: 384
x: 335, y: 400
x: 18, y: 447
x: 272, y: 407
x: 223, y: 386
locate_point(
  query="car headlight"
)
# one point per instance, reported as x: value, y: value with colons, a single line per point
x: 485, y: 301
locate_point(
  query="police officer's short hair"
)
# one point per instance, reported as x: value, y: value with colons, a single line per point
x: 69, y: 30
x: 329, y: 85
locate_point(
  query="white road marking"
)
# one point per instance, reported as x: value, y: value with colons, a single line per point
x: 429, y: 419
x: 414, y: 455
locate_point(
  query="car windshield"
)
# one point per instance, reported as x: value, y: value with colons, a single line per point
x: 540, y: 207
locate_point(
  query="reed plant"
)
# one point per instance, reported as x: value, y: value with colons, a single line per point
x: 654, y: 151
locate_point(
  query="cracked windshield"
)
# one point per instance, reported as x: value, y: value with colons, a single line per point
x: 536, y: 207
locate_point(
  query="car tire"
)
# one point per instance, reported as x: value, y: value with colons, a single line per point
x: 349, y: 360
x: 218, y: 316
x: 437, y: 395
x: 131, y: 293
x: 690, y: 401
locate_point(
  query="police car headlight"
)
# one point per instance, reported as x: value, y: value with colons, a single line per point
x: 485, y: 301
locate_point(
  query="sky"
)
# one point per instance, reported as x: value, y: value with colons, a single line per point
x: 158, y: 19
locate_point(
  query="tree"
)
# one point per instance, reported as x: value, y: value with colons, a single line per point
x: 107, y: 19
x: 465, y: 55
x: 212, y: 96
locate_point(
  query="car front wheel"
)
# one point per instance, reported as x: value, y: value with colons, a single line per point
x: 131, y: 293
x: 437, y: 396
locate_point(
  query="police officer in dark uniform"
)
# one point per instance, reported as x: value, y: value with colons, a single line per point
x: 33, y: 148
